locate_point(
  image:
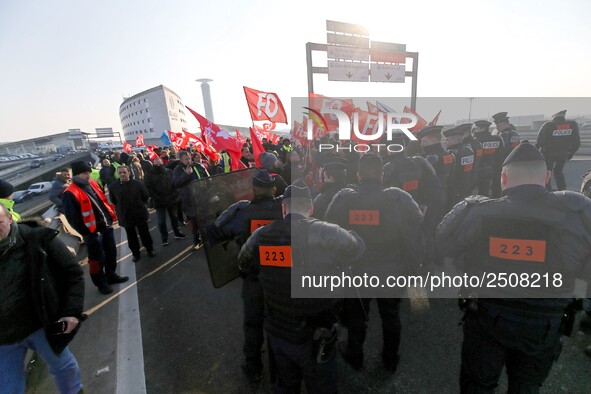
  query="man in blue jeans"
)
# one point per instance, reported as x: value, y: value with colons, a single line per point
x: 41, y: 298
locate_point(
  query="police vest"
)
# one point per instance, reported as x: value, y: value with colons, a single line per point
x: 404, y: 173
x: 443, y: 164
x: 86, y: 205
x: 491, y: 146
x: 291, y: 319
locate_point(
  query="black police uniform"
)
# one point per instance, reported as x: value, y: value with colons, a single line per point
x: 441, y: 160
x: 327, y: 191
x: 292, y: 323
x: 510, y: 136
x: 558, y: 140
x: 389, y: 221
x: 489, y: 173
x: 476, y: 146
x: 528, y: 230
x: 417, y: 177
x: 238, y: 222
x: 460, y: 182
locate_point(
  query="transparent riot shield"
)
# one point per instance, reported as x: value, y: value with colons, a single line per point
x: 212, y: 196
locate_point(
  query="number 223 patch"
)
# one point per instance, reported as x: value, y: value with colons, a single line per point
x: 275, y: 256
x: 518, y: 249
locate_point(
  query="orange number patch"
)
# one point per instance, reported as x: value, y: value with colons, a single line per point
x: 364, y: 218
x: 275, y: 256
x: 518, y: 249
x: 410, y: 185
x: 254, y: 224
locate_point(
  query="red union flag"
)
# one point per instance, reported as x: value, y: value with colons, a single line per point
x: 257, y: 146
x: 264, y: 106
x: 298, y: 132
x: 269, y: 126
x: 151, y: 154
x: 420, y: 121
x: 179, y: 139
x: 202, y: 147
x: 367, y: 124
x: 139, y: 140
x: 435, y: 119
x: 239, y: 137
x: 220, y: 139
x: 127, y: 147
x: 319, y: 103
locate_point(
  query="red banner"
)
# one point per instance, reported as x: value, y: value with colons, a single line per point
x: 318, y: 102
x: 435, y: 119
x: 257, y: 146
x: 127, y: 147
x: 239, y: 137
x: 139, y: 140
x: 220, y: 139
x: 265, y: 106
x: 151, y: 154
x: 420, y: 121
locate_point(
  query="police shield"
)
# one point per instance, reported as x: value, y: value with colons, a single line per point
x: 212, y: 196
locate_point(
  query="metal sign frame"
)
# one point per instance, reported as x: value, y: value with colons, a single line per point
x: 311, y: 46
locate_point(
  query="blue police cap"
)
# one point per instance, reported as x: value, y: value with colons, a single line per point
x: 524, y: 152
x: 484, y: 124
x: 501, y: 116
x: 560, y: 113
x: 263, y: 179
x: 297, y: 190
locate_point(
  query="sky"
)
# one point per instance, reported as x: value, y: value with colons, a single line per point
x: 68, y: 64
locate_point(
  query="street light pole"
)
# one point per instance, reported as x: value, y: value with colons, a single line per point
x: 470, y: 111
x: 206, y: 97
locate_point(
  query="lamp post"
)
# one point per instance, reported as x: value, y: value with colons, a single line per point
x: 470, y: 111
x: 206, y: 97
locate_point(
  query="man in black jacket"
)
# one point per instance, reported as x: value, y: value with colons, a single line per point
x: 41, y: 299
x: 295, y: 326
x: 334, y: 178
x: 182, y: 175
x: 165, y: 197
x: 528, y: 233
x: 130, y: 198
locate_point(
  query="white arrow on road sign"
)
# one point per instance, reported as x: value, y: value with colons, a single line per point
x: 387, y: 73
x: 348, y: 71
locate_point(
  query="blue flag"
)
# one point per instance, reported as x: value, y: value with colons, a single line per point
x: 165, y: 140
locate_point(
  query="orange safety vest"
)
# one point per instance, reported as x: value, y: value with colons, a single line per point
x: 86, y: 206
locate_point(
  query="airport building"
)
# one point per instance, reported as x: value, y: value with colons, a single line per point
x: 150, y: 113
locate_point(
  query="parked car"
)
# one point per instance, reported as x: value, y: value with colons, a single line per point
x: 22, y: 196
x: 72, y: 152
x: 58, y: 157
x: 40, y: 188
x: 36, y: 163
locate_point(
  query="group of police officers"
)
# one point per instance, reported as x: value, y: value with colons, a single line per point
x: 388, y: 224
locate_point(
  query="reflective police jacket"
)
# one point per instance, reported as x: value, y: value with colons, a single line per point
x: 492, y: 151
x: 415, y: 176
x: 536, y: 239
x: 241, y: 219
x: 306, y: 247
x: 441, y: 160
x: 459, y: 184
x: 388, y: 220
x: 559, y: 138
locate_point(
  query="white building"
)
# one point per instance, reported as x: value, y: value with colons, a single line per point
x: 150, y: 113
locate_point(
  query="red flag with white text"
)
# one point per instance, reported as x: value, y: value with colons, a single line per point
x: 318, y: 102
x: 257, y: 146
x: 127, y: 147
x: 239, y: 137
x: 139, y: 140
x: 265, y: 106
x: 220, y: 139
x: 420, y: 121
x: 151, y: 154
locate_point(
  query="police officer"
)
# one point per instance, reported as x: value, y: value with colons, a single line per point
x: 293, y: 324
x: 460, y: 182
x: 506, y: 131
x: 334, y: 178
x: 527, y: 231
x: 389, y: 221
x: 477, y: 148
x: 558, y: 140
x: 238, y: 222
x: 441, y: 160
x: 489, y: 173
